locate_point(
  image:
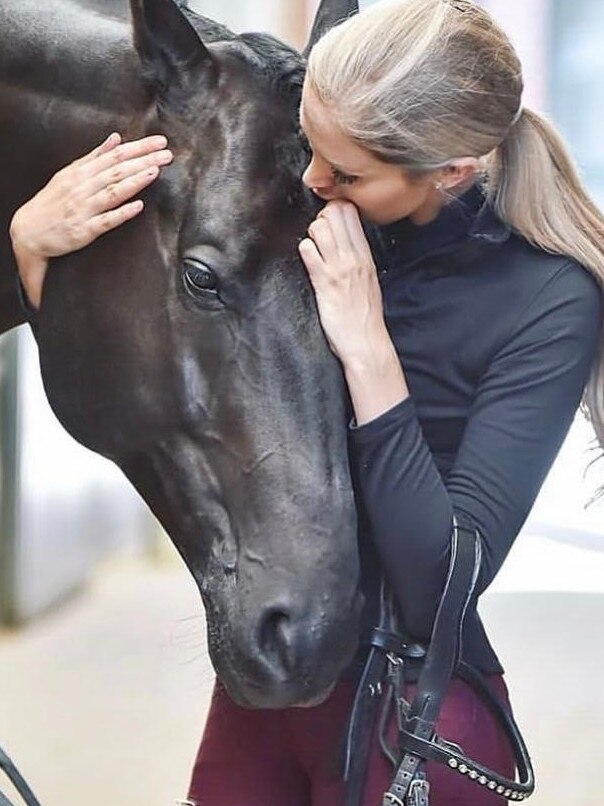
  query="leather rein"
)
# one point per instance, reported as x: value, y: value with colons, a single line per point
x: 381, y: 688
x: 17, y: 780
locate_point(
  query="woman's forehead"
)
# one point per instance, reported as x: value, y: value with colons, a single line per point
x: 325, y: 135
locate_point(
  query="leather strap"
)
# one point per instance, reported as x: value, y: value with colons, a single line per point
x: 441, y: 659
x: 360, y: 726
x: 417, y: 738
x: 15, y: 777
x: 359, y: 732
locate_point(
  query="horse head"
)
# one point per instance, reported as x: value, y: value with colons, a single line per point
x: 189, y: 352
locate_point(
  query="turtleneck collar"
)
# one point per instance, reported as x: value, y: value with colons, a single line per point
x: 467, y: 220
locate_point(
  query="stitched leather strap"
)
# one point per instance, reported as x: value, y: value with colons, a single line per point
x: 417, y: 739
x: 441, y: 659
x: 360, y: 726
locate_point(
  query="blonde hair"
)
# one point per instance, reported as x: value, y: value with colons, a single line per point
x: 421, y: 82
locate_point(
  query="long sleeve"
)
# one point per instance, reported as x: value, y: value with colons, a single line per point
x: 523, y: 407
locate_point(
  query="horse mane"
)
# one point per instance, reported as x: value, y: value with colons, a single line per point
x: 282, y: 65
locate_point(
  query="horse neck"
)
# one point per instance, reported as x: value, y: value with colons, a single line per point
x: 73, y: 70
x: 68, y: 77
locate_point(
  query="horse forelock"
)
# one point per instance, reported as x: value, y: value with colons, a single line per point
x: 279, y: 63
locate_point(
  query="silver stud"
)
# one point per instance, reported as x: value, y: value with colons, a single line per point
x: 507, y: 793
x: 463, y: 769
x: 483, y: 780
x: 500, y: 790
x: 473, y: 774
x: 492, y: 784
x: 454, y: 763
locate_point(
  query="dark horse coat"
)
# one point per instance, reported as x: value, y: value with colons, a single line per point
x: 186, y: 346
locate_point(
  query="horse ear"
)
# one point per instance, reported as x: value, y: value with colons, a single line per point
x: 168, y: 45
x: 329, y: 13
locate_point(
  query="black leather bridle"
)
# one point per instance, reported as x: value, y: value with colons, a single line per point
x: 17, y: 780
x: 381, y: 688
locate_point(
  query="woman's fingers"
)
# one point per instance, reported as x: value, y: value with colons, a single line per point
x: 112, y: 219
x: 116, y: 174
x: 355, y: 230
x: 333, y: 212
x: 129, y: 151
x: 323, y: 238
x: 311, y: 257
x: 107, y: 145
x: 114, y: 195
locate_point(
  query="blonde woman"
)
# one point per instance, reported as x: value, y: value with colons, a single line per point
x: 469, y: 330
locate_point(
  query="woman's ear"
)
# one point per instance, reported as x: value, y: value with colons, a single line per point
x: 459, y: 172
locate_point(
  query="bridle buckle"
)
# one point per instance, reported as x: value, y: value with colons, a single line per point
x: 419, y: 793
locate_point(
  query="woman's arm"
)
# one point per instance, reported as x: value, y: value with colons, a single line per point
x: 523, y: 408
x: 81, y: 202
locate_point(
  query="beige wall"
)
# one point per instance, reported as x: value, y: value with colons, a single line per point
x: 284, y: 18
x: 527, y: 24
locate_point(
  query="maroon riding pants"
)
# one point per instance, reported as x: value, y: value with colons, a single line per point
x: 290, y: 757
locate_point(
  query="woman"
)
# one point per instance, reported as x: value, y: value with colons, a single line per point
x: 467, y: 327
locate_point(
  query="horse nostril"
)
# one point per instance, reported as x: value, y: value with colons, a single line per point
x: 276, y: 638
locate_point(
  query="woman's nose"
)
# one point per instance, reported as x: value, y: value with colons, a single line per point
x: 319, y: 179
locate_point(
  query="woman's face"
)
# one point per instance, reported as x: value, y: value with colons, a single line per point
x: 341, y: 169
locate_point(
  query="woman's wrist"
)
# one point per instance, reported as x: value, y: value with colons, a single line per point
x: 376, y: 382
x: 32, y: 266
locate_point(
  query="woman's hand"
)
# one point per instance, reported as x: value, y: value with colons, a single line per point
x: 349, y: 298
x: 344, y: 278
x: 81, y: 202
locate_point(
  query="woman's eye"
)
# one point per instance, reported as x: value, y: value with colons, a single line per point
x: 342, y: 178
x: 304, y: 139
x: 200, y: 279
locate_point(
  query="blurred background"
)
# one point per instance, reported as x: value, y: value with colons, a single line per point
x: 104, y: 680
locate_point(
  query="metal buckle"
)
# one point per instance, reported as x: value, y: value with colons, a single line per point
x: 392, y: 800
x: 419, y: 793
x: 447, y: 745
x: 397, y: 681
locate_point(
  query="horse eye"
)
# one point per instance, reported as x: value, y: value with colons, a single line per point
x: 200, y: 279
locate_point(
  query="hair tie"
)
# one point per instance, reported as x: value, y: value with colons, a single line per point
x: 459, y: 5
x: 518, y: 115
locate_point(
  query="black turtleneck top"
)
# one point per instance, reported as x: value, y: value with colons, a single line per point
x: 496, y: 339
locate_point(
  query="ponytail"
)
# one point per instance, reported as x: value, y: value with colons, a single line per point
x: 534, y: 185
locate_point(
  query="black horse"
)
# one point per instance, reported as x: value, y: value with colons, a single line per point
x: 186, y: 346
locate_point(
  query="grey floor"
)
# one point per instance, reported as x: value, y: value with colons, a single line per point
x: 103, y: 701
